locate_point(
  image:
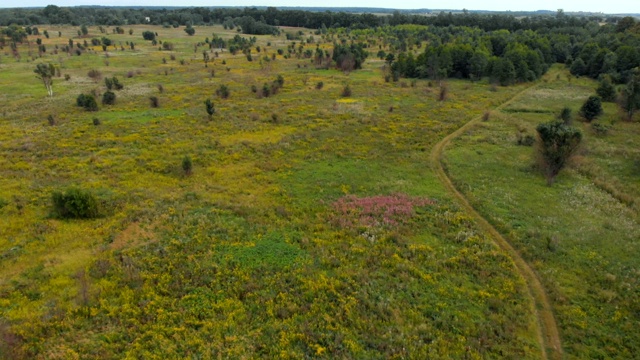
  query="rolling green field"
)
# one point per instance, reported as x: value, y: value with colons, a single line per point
x: 312, y: 224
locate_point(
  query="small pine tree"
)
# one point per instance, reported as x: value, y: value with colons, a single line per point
x: 565, y: 115
x: 558, y: 142
x: 210, y: 108
x: 223, y: 91
x: 444, y: 92
x: 592, y: 108
x: 109, y: 98
x: 346, y: 91
x: 187, y: 165
x: 606, y: 90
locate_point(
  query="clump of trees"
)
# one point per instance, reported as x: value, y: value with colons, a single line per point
x: 269, y: 89
x: 503, y: 56
x: 557, y: 143
x: 113, y: 83
x: 250, y: 26
x: 349, y: 57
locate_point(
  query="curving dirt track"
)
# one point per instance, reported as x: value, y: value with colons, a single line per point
x: 547, y: 330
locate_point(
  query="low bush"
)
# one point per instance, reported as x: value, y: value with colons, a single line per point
x: 109, y: 98
x: 75, y: 203
x: 187, y: 165
x: 94, y: 74
x: 524, y: 139
x: 88, y: 102
x: 600, y: 129
x: 346, y: 91
x: 223, y: 91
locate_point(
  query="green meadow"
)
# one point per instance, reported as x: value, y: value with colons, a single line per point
x: 310, y: 224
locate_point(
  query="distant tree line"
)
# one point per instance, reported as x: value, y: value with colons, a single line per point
x: 503, y: 47
x: 119, y: 16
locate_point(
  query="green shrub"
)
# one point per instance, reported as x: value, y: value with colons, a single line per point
x: 223, y: 91
x: 558, y: 142
x: 600, y: 129
x: 565, y: 115
x: 94, y: 74
x: 75, y: 204
x: 524, y: 139
x: 88, y: 102
x: 113, y: 83
x: 149, y: 35
x: 210, y: 107
x: 592, y: 108
x: 109, y: 98
x: 266, y: 90
x: 346, y: 91
x: 155, y: 102
x: 606, y: 90
x: 187, y: 165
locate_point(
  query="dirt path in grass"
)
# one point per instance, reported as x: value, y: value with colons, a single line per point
x: 547, y: 330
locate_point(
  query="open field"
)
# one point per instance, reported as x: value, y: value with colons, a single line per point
x: 263, y: 249
x: 580, y: 234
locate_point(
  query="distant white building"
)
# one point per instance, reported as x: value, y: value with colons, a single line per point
x: 147, y: 19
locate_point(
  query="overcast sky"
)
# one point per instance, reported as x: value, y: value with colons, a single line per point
x: 611, y: 6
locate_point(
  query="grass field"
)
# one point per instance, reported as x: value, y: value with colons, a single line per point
x: 581, y: 233
x: 268, y: 248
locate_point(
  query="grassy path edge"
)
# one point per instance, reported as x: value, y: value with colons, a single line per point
x: 547, y: 330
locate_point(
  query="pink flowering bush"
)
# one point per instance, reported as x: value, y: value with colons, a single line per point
x: 385, y: 211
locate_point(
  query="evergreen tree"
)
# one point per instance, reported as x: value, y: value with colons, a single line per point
x: 557, y: 143
x: 592, y: 108
x: 606, y: 90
